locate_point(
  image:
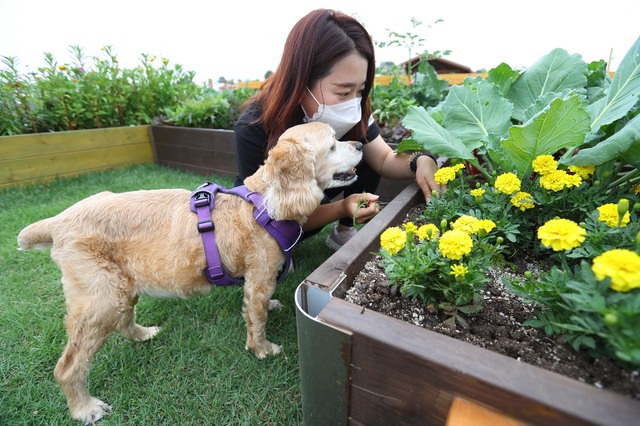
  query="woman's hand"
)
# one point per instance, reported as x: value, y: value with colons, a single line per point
x: 425, y: 170
x: 363, y: 206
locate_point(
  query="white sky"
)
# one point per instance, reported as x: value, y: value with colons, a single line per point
x: 242, y: 40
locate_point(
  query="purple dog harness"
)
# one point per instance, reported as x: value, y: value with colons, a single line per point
x: 286, y: 232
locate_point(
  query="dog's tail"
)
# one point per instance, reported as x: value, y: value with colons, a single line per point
x: 36, y: 236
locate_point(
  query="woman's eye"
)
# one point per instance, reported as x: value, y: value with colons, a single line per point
x: 333, y: 147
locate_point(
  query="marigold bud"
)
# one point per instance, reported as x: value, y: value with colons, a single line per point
x: 636, y: 207
x: 528, y: 275
x: 443, y: 224
x: 623, y: 206
x: 610, y: 319
x: 499, y: 240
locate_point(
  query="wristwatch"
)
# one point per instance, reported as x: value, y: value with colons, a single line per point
x: 413, y: 163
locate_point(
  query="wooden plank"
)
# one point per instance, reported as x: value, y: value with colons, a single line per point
x: 468, y: 413
x: 212, y: 139
x: 70, y: 163
x: 34, y: 145
x: 414, y: 359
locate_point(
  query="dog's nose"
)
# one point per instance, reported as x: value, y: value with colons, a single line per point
x: 359, y: 146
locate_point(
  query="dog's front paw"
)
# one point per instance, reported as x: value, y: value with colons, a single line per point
x: 93, y: 411
x: 262, y: 351
x: 274, y: 304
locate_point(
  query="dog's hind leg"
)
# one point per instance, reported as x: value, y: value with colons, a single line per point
x: 86, y: 332
x: 256, y: 304
x: 93, y: 312
x: 128, y: 327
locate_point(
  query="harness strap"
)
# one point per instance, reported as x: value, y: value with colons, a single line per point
x: 286, y: 232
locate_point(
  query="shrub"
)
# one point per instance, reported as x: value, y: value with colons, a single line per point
x: 75, y: 95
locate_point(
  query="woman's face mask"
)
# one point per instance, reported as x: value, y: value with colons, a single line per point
x: 341, y: 117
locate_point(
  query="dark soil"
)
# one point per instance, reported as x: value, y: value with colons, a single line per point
x: 498, y: 327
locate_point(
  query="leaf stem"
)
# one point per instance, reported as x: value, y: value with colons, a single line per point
x: 481, y: 169
x: 627, y: 177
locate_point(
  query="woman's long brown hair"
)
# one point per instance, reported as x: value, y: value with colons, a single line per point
x: 314, y: 45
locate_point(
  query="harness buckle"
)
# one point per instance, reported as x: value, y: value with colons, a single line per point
x: 205, y: 226
x: 214, y: 272
x: 201, y: 198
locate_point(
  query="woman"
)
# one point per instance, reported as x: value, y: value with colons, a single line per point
x: 326, y: 74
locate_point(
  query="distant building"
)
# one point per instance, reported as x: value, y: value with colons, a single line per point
x: 441, y: 65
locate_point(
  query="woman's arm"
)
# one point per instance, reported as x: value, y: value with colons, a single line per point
x: 387, y: 163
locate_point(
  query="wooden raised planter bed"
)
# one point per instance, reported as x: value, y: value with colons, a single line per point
x: 201, y: 151
x: 43, y: 156
x: 361, y: 367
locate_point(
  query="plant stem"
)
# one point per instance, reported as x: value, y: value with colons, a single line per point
x: 627, y: 177
x: 481, y: 169
x: 563, y: 259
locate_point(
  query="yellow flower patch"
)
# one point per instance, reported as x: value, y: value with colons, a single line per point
x: 561, y: 234
x: 522, y: 200
x: 508, y: 183
x: 393, y: 239
x: 623, y: 266
x: 608, y: 213
x: 544, y: 164
x: 428, y: 232
x: 455, y: 244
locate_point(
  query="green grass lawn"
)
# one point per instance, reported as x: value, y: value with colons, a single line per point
x: 196, y: 371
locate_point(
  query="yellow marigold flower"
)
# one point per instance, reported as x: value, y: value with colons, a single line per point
x: 507, y: 183
x: 477, y: 192
x: 573, y: 180
x: 423, y: 232
x: 153, y: 58
x: 455, y: 244
x: 468, y: 224
x: 522, y: 200
x: 445, y: 175
x: 165, y: 61
x: 393, y: 239
x: 457, y: 167
x: 487, y: 224
x: 561, y: 234
x: 544, y: 164
x: 554, y: 181
x: 583, y: 171
x: 62, y: 67
x: 637, y: 190
x: 623, y: 266
x: 608, y: 213
x: 410, y: 228
x: 458, y: 270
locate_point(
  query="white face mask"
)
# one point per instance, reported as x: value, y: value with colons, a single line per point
x: 342, y: 117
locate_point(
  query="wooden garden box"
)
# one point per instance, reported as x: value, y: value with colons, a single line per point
x: 363, y: 368
x: 42, y: 156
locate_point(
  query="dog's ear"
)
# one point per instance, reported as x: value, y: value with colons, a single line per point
x: 289, y: 172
